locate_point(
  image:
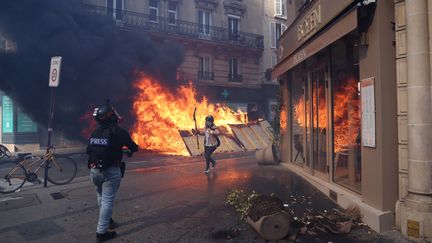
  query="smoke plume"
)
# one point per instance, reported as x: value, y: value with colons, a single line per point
x: 99, y: 60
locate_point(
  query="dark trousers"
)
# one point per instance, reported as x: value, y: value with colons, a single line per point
x: 207, y: 154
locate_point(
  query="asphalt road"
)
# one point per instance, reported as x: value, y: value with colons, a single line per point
x: 163, y: 199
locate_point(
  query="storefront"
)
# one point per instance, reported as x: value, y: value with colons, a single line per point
x: 337, y: 69
x: 17, y: 128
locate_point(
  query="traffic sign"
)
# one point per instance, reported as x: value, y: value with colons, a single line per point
x: 54, y: 77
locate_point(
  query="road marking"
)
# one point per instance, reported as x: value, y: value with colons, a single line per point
x: 10, y: 199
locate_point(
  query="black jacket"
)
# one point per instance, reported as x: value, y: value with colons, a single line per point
x: 114, y: 152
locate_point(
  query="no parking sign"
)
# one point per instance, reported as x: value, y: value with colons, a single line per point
x: 54, y: 77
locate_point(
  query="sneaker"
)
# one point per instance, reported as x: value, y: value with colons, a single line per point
x: 207, y: 171
x: 214, y: 165
x: 112, y: 224
x: 106, y: 236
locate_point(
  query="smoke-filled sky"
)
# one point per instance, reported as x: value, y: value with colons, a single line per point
x: 99, y: 60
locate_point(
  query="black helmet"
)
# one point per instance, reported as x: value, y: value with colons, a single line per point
x: 106, y: 114
x: 209, y: 121
x: 209, y: 118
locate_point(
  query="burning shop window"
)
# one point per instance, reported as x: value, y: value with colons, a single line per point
x: 346, y: 113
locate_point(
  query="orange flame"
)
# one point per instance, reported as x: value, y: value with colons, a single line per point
x: 346, y: 114
x: 160, y: 115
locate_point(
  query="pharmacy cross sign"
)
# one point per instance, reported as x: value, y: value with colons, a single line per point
x: 225, y: 94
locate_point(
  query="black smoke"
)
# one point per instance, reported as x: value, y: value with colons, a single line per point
x: 99, y: 60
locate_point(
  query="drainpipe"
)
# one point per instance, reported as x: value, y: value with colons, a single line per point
x: 417, y: 208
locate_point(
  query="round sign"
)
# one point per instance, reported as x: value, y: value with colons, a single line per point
x: 54, y: 75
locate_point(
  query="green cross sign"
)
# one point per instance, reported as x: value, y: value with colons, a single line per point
x: 225, y: 94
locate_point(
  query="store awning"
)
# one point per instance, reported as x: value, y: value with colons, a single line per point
x: 332, y: 33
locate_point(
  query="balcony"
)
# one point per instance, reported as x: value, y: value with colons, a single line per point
x: 205, y: 75
x: 235, y: 77
x: 185, y: 29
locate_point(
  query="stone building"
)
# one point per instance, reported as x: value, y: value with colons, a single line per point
x: 228, y: 47
x: 356, y: 80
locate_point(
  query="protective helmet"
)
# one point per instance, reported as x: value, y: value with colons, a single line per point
x: 106, y: 114
x: 209, y: 121
x: 209, y: 118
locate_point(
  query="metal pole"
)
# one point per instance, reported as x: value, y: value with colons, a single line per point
x: 50, y: 128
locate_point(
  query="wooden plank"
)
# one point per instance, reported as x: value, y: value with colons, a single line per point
x: 257, y: 142
x: 261, y: 134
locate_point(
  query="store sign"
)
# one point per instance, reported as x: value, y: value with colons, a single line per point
x: 25, y: 123
x: 7, y: 114
x: 310, y: 22
x: 368, y: 112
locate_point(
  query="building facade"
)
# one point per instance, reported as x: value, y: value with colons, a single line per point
x: 338, y: 76
x: 228, y: 48
x: 413, y: 59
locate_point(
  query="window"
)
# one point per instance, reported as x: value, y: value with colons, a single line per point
x: 205, y: 68
x: 234, y: 75
x: 115, y: 8
x: 276, y: 31
x: 233, y: 27
x: 154, y: 10
x: 204, y: 21
x: 172, y: 13
x: 280, y: 8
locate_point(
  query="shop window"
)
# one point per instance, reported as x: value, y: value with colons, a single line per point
x: 309, y: 118
x: 154, y: 10
x: 172, y: 13
x: 346, y: 113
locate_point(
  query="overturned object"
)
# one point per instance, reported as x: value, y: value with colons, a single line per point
x: 234, y: 138
x: 272, y: 227
x: 267, y: 216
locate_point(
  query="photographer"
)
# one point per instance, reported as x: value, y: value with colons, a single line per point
x: 105, y: 150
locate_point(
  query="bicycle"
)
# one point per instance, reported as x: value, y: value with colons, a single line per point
x: 4, y: 152
x: 14, y: 174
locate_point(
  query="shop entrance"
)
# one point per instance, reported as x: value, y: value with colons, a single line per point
x: 310, y: 133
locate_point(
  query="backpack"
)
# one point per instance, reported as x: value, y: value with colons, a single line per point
x: 102, y: 148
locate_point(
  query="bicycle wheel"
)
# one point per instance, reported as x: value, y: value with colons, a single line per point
x: 12, y: 176
x: 61, y: 170
x: 4, y: 151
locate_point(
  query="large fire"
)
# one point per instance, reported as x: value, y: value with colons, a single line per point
x: 346, y: 114
x: 161, y: 114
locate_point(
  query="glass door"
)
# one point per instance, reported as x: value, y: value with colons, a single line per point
x: 319, y: 127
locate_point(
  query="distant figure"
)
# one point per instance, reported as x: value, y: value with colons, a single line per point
x: 105, y: 150
x: 211, y: 142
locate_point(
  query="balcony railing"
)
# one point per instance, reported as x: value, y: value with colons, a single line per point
x: 205, y: 75
x: 145, y: 22
x: 235, y: 77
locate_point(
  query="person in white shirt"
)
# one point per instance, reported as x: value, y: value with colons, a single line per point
x: 211, y: 142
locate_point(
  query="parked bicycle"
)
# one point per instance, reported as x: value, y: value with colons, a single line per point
x: 14, y: 174
x: 4, y: 152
